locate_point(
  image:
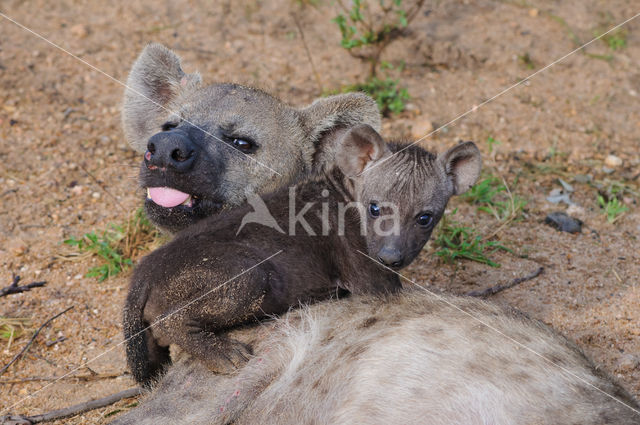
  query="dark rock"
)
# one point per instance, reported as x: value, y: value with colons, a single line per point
x: 563, y: 222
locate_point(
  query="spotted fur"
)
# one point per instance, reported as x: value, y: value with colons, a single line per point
x: 412, y: 358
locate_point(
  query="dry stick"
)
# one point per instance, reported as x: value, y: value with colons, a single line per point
x: 71, y: 411
x: 35, y: 334
x: 101, y: 186
x: 15, y: 289
x: 306, y: 48
x: 498, y: 288
x: 83, y: 378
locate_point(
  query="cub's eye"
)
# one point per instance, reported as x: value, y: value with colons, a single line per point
x: 169, y: 125
x: 243, y: 145
x: 425, y: 219
x: 374, y: 209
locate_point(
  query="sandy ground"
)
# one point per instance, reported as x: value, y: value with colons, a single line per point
x: 65, y: 168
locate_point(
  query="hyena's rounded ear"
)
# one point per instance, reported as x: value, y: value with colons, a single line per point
x: 339, y: 111
x: 462, y: 164
x: 155, y: 82
x: 359, y: 147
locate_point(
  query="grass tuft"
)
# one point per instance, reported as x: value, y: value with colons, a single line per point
x: 388, y: 95
x: 117, y: 246
x: 457, y: 241
x: 612, y: 208
x: 492, y: 195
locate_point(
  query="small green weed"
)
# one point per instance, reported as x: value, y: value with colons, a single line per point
x: 492, y: 142
x: 366, y: 29
x: 104, y: 246
x: 457, y: 241
x: 494, y: 197
x: 12, y: 328
x: 612, y: 207
x: 526, y: 61
x: 116, y: 246
x: 616, y: 40
x: 389, y: 97
x: 360, y: 27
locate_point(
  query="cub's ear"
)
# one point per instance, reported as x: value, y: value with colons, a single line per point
x: 339, y: 111
x: 155, y: 82
x: 358, y: 148
x: 462, y: 164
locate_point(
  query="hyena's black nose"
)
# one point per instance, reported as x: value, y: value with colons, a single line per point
x: 170, y: 149
x: 391, y: 257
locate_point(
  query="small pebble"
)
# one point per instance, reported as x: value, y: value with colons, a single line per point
x: 576, y: 211
x: 562, y: 222
x: 79, y: 31
x: 583, y: 178
x: 612, y: 161
x: 558, y: 195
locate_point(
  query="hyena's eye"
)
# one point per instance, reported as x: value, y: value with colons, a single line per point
x: 243, y: 145
x: 374, y: 209
x: 425, y: 219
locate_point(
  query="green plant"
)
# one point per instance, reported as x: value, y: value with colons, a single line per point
x: 116, y: 246
x: 367, y: 28
x: 616, y: 40
x: 492, y: 142
x: 389, y: 97
x: 457, y: 241
x: 526, y: 61
x: 612, y: 207
x: 12, y: 328
x: 492, y: 195
x: 105, y: 247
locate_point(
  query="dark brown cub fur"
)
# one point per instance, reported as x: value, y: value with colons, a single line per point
x: 213, y: 277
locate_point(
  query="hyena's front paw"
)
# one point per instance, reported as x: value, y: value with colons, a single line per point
x: 228, y: 356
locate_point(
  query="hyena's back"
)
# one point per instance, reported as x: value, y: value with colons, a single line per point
x: 410, y: 359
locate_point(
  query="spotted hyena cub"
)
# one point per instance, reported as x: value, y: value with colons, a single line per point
x: 367, y: 212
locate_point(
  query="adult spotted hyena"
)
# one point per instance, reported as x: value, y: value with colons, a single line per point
x: 411, y: 358
x: 206, y: 146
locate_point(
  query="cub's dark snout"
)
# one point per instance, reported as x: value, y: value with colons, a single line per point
x: 391, y: 257
x: 171, y: 149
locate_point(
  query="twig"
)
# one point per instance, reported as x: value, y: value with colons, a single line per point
x: 498, y: 288
x: 70, y: 411
x: 306, y: 48
x: 15, y: 289
x: 101, y: 186
x: 83, y: 378
x: 35, y: 334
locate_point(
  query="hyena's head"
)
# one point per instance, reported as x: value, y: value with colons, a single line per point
x: 404, y: 189
x: 206, y: 147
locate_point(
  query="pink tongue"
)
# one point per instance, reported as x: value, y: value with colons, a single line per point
x: 167, y: 197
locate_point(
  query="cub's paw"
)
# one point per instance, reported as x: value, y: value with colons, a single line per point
x: 228, y: 356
